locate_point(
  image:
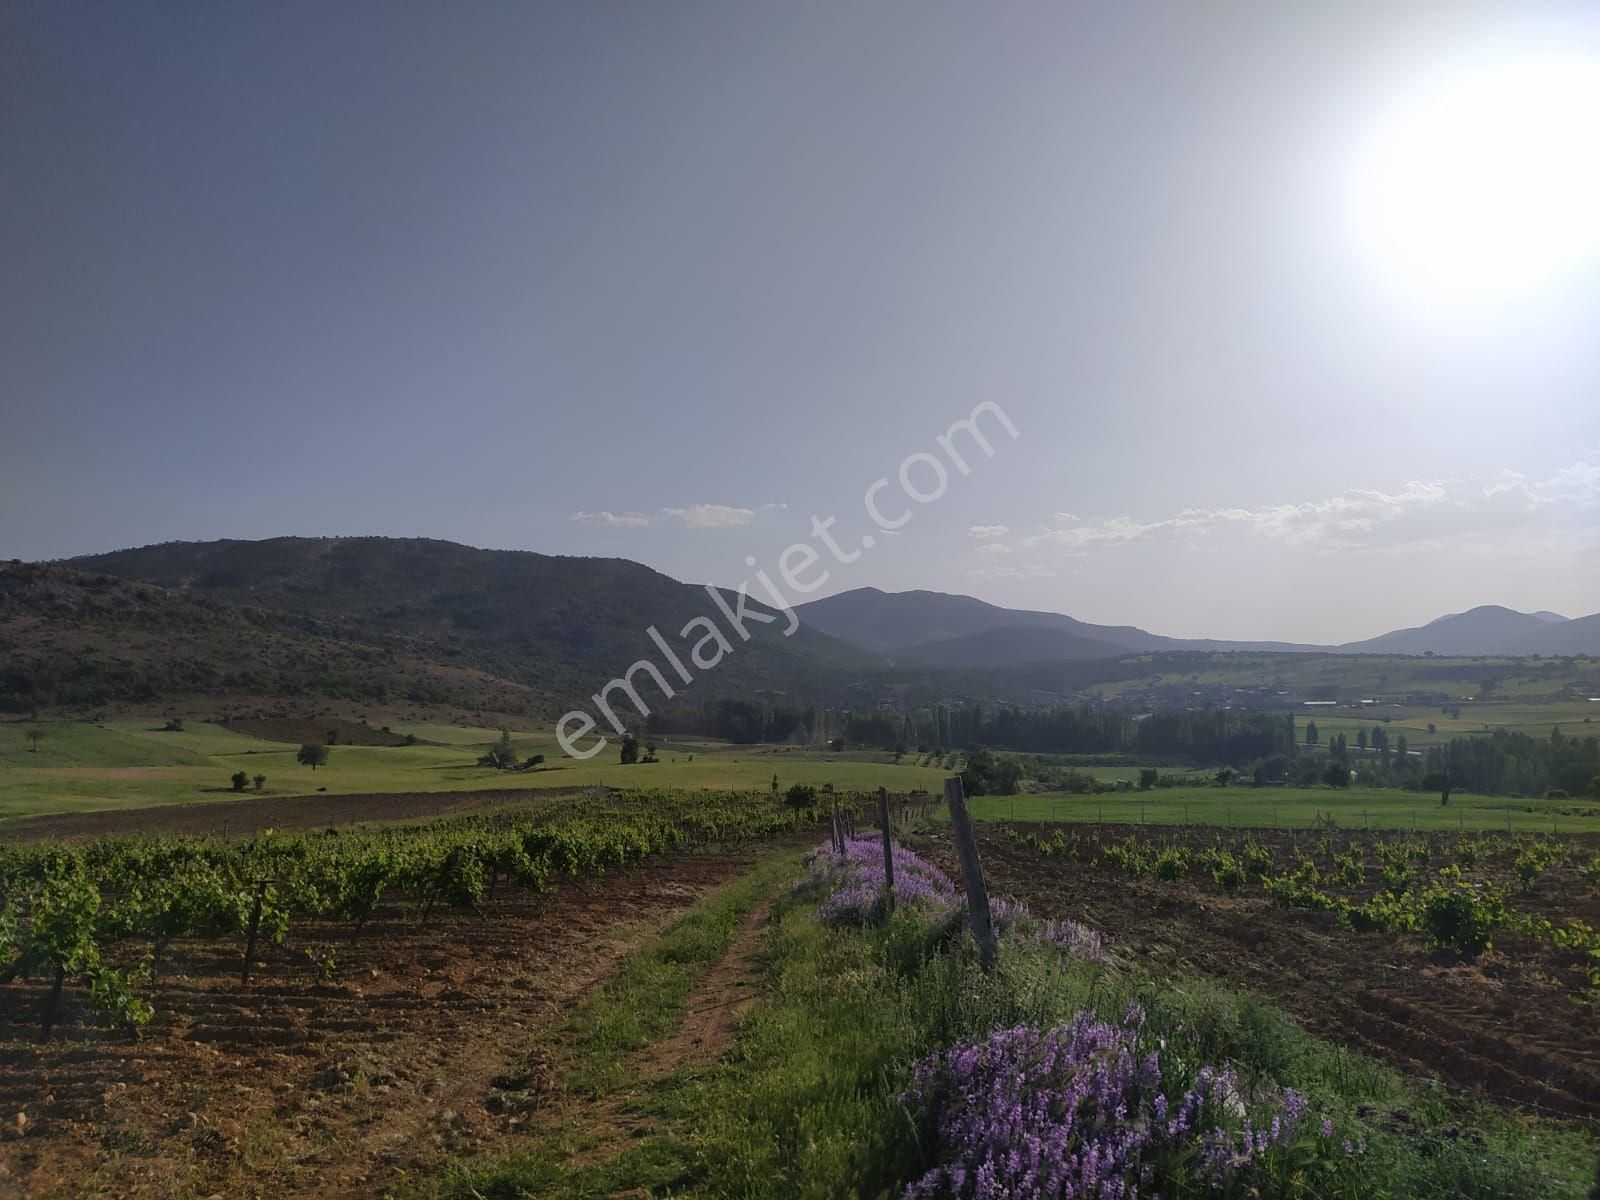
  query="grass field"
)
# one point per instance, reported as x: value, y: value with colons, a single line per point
x: 1578, y: 718
x: 81, y: 766
x: 1364, y: 675
x: 1283, y: 808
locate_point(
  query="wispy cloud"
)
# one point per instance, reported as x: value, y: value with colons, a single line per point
x: 623, y: 520
x: 988, y: 532
x: 718, y: 516
x: 994, y: 548
x: 1419, y: 511
x: 1007, y: 571
x: 695, y: 516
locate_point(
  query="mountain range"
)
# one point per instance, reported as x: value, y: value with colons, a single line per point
x: 934, y: 629
x: 388, y: 620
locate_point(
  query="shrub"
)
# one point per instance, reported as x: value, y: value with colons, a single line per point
x: 1352, y: 871
x: 1172, y: 863
x: 800, y: 795
x: 1528, y: 867
x: 1229, y: 874
x: 1257, y: 859
x: 1459, y: 917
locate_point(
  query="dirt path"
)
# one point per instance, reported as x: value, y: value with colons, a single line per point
x: 427, y: 1045
x: 714, y: 1007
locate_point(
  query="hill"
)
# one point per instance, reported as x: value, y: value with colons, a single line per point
x: 71, y: 638
x: 937, y: 629
x: 561, y: 625
x: 1489, y: 629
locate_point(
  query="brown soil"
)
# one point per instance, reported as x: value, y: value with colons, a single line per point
x: 239, y: 818
x: 1512, y: 1027
x: 429, y: 1041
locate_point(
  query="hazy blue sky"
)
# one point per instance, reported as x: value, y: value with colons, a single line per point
x: 664, y: 280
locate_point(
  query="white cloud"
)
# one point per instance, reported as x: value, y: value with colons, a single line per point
x: 988, y: 532
x: 718, y: 516
x: 994, y: 548
x: 1007, y: 571
x: 1432, y: 511
x: 626, y: 520
x: 696, y: 516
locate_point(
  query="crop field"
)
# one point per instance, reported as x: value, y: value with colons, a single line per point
x: 1353, y: 808
x: 590, y: 994
x: 1576, y: 717
x: 1353, y: 676
x: 1347, y: 943
x: 82, y: 766
x: 391, y: 1006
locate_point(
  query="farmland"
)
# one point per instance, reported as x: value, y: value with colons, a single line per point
x: 579, y: 994
x: 574, y: 978
x: 1297, y: 808
x: 82, y: 766
x: 1351, y: 678
x: 415, y: 982
x: 1512, y: 1025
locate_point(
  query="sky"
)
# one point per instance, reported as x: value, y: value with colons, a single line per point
x: 1299, y: 333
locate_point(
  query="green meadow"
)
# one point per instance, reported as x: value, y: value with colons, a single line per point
x: 1296, y: 808
x: 1578, y: 718
x: 83, y: 766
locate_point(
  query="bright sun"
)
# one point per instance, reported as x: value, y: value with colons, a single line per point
x: 1484, y: 183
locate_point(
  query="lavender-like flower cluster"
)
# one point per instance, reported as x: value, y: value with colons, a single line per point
x: 856, y: 882
x: 1014, y: 922
x: 1086, y: 1110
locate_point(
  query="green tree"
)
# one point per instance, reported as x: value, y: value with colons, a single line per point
x: 1336, y: 775
x: 630, y: 749
x: 240, y: 781
x: 1311, y: 733
x: 312, y: 754
x: 260, y: 781
x: 502, y: 755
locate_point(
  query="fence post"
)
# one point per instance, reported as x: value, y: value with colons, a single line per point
x: 888, y: 848
x: 971, y: 871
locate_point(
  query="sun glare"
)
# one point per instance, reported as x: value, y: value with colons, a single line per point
x: 1484, y: 184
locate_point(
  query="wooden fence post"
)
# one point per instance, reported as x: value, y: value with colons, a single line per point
x: 972, y: 871
x: 888, y: 848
